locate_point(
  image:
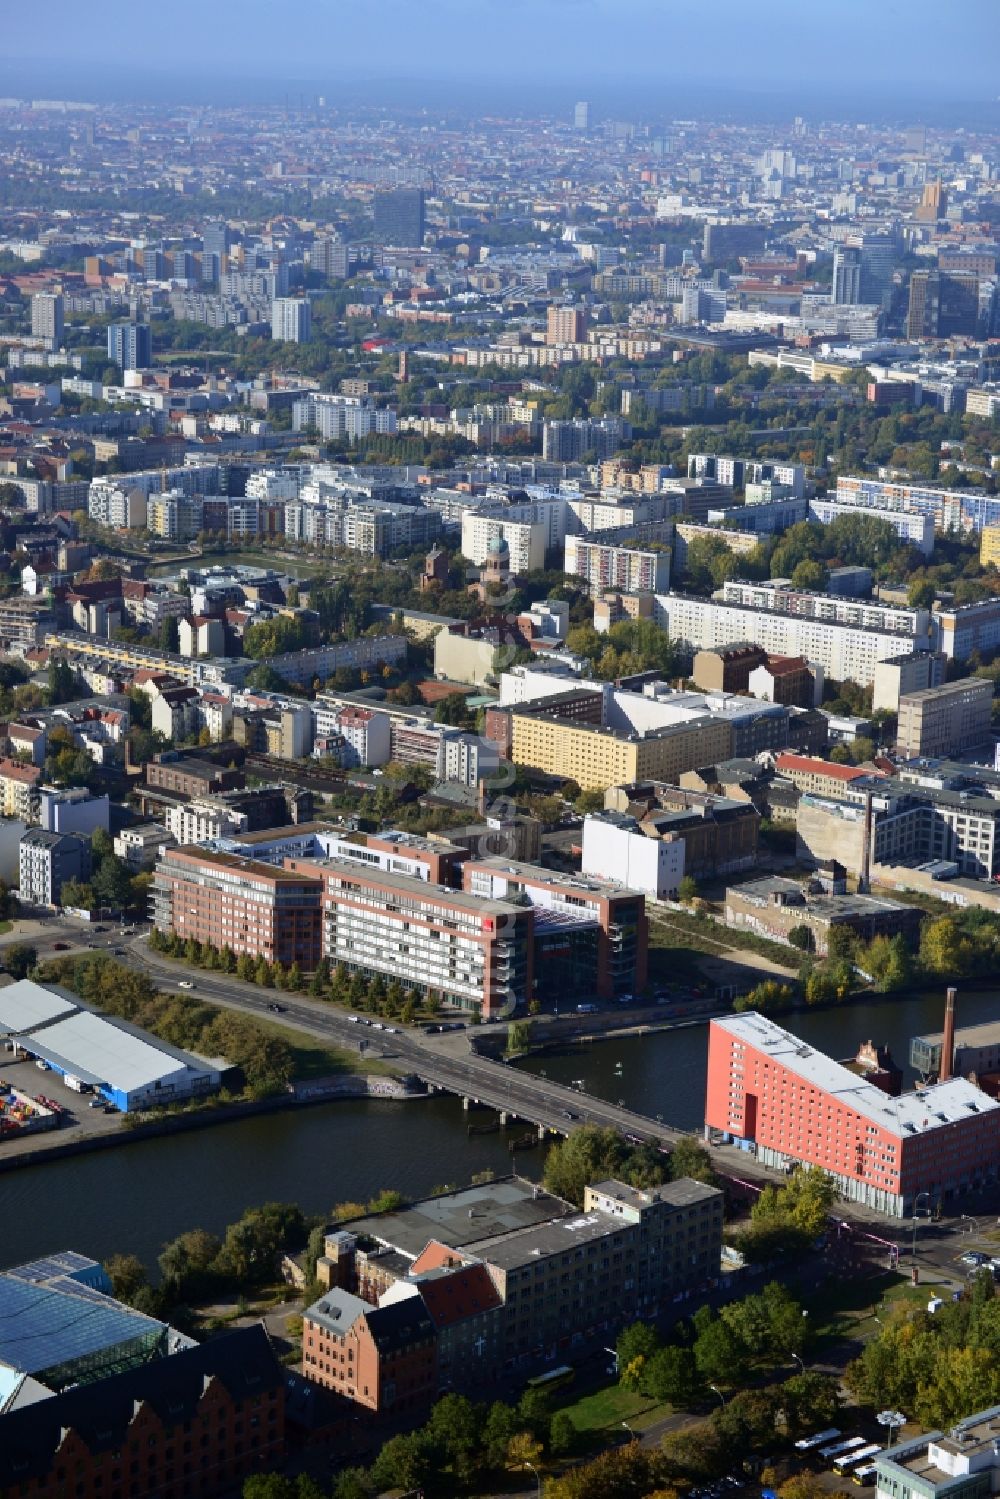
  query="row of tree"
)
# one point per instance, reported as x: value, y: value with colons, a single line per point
x: 373, y: 996
x: 265, y: 1060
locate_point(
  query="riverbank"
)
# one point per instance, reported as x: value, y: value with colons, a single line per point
x: 37, y: 1150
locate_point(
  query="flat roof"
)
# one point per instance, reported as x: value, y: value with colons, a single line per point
x: 987, y: 1034
x: 358, y: 870
x: 911, y: 1114
x: 27, y: 1005
x: 197, y: 853
x: 98, y: 1052
x: 465, y: 1217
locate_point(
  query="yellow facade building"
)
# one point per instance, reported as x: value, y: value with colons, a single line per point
x: 596, y: 758
x: 989, y: 547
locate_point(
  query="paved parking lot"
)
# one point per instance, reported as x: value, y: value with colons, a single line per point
x: 77, y: 1121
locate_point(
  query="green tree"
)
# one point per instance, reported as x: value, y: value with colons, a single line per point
x: 456, y: 1427
x: 170, y: 639
x: 718, y: 1353
x: 921, y: 593
x: 501, y: 1424
x: 635, y: 1346
x: 687, y: 889
x: 127, y: 1274
x: 690, y: 1159
x: 19, y: 959
x: 591, y: 1154
x: 404, y: 1462
x: 186, y: 1262
x: 672, y: 1374
x: 810, y: 575
x: 268, y: 1486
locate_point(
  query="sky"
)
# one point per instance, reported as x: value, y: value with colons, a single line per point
x: 871, y: 50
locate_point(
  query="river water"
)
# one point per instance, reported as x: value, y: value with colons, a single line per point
x: 136, y: 1198
x: 665, y: 1074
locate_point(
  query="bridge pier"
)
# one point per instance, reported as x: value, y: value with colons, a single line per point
x: 465, y: 1102
x: 542, y: 1131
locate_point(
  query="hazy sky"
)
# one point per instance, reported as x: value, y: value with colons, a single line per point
x: 948, y: 48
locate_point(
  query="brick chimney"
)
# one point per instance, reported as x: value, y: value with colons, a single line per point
x: 948, y: 1039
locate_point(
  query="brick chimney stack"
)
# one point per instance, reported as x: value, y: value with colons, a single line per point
x: 948, y: 1039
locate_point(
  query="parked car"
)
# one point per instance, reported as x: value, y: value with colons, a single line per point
x: 184, y: 984
x: 277, y: 1009
x: 974, y: 1258
x: 60, y: 946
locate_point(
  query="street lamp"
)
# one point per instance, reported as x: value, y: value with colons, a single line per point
x: 631, y: 1433
x: 968, y: 1218
x: 892, y: 1420
x: 538, y: 1477
x: 800, y: 1361
x: 715, y: 1390
x: 916, y: 1204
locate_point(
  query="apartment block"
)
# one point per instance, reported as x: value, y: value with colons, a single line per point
x: 470, y: 952
x: 550, y: 738
x: 949, y: 509
x: 47, y: 861
x: 587, y: 932
x: 197, y: 1423
x: 845, y: 652
x: 718, y: 833
x: 628, y: 568
x: 526, y: 540
x: 790, y: 1105
x: 19, y: 790
x: 966, y: 628
x: 951, y: 719
x: 781, y: 598
x: 382, y: 1358
x: 913, y: 527
x: 238, y: 903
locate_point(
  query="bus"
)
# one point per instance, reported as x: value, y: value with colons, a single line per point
x: 552, y: 1378
x: 807, y: 1444
x: 849, y: 1445
x: 851, y: 1460
x: 865, y: 1475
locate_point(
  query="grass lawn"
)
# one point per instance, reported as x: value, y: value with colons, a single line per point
x: 315, y: 1058
x: 606, y: 1409
x: 848, y: 1310
x: 5, y: 927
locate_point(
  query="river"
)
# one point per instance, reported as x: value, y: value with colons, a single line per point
x: 664, y: 1074
x: 136, y: 1198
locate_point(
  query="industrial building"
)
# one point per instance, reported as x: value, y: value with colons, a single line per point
x: 94, y: 1054
x: 773, y: 907
x: 788, y: 1104
x: 466, y: 1288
